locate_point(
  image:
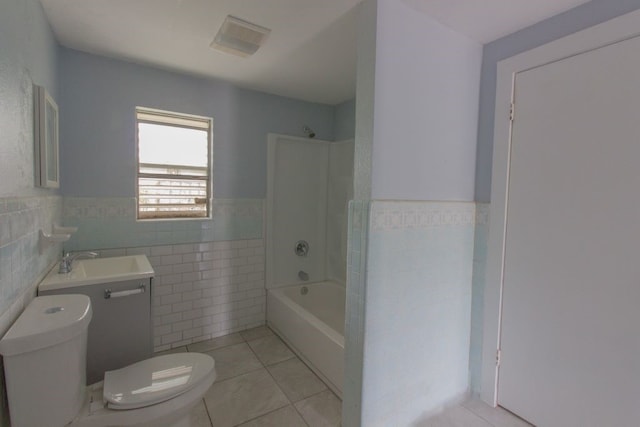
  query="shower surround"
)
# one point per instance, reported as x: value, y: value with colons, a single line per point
x: 309, y: 185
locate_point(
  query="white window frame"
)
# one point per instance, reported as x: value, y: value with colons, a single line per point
x: 175, y: 119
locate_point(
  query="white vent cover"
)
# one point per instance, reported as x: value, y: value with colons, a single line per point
x: 239, y: 37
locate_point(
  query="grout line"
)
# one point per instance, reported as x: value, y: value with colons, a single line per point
x: 320, y: 392
x: 292, y: 404
x: 513, y: 415
x: 280, y: 361
x: 461, y: 406
x: 300, y: 414
x: 266, y: 368
x: 260, y: 337
x: 256, y: 356
x: 476, y: 414
x: 264, y: 415
x: 212, y: 349
x: 274, y: 381
x: 496, y: 410
x: 316, y: 394
x: 206, y: 408
x: 298, y: 411
x: 278, y: 386
x: 238, y: 375
x: 279, y: 339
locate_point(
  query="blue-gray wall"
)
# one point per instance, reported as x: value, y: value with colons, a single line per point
x: 98, y: 101
x: 561, y: 25
x: 344, y: 120
x: 28, y: 54
x: 427, y: 80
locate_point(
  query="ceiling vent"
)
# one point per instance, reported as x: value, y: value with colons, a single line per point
x: 239, y: 37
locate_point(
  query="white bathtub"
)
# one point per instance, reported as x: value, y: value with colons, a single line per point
x: 312, y: 324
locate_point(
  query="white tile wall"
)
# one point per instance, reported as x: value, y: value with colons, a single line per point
x: 204, y: 290
x: 355, y: 315
x: 477, y: 296
x: 21, y: 265
x: 417, y: 278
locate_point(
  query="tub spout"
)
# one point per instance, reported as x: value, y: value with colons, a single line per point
x: 302, y: 275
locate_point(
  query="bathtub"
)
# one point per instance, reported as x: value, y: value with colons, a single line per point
x: 310, y: 319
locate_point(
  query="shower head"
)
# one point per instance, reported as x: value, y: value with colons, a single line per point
x: 308, y: 131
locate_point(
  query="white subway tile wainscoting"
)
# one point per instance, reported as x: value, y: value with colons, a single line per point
x: 209, y: 273
x: 206, y: 290
x: 203, y: 290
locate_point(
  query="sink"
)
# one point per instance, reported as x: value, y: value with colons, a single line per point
x: 106, y: 266
x: 99, y: 270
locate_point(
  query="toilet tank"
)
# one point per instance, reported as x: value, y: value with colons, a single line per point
x: 45, y: 361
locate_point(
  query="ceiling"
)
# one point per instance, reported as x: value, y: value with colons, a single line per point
x: 488, y: 20
x: 309, y: 55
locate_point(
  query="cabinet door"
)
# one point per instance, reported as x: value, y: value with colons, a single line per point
x: 120, y: 330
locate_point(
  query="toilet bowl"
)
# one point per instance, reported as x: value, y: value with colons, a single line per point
x: 159, y: 391
x: 45, y: 370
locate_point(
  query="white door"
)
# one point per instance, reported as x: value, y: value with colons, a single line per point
x: 570, y: 337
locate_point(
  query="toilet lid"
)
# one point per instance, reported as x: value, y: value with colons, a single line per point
x: 155, y: 380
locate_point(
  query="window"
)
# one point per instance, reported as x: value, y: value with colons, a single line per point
x: 174, y: 165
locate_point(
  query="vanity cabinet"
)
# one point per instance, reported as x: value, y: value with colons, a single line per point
x: 120, y: 332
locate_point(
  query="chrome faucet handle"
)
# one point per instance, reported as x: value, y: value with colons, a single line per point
x: 66, y: 262
x: 301, y: 248
x: 65, y: 266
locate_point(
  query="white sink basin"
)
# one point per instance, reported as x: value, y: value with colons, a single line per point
x: 99, y: 270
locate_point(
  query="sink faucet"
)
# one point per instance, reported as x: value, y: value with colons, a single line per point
x: 68, y: 258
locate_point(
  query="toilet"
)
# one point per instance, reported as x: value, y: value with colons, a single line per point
x: 45, y: 370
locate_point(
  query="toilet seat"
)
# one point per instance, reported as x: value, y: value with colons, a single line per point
x: 171, y: 412
x: 155, y: 380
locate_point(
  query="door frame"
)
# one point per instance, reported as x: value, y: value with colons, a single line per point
x: 612, y: 31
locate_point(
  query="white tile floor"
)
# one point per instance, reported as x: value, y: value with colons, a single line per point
x: 261, y: 383
x: 474, y: 413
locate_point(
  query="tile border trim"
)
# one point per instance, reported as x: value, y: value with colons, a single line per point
x: 422, y: 215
